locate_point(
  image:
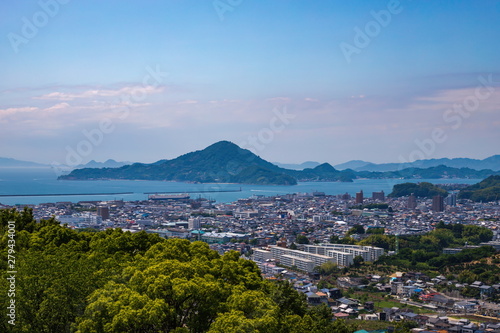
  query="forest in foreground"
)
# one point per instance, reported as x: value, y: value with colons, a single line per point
x: 115, y: 281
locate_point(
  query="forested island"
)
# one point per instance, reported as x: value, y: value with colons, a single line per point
x: 225, y: 162
x: 423, y: 190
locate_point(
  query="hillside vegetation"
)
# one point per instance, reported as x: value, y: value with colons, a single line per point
x: 225, y: 162
x: 486, y: 190
x: 423, y: 190
x: 115, y: 281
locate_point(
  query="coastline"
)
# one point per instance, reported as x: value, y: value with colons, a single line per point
x: 28, y: 183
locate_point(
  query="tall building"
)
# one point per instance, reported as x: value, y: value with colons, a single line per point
x: 412, y: 201
x: 346, y: 196
x: 359, y: 197
x: 378, y: 196
x: 451, y: 200
x: 194, y: 223
x: 437, y: 203
x: 103, y: 211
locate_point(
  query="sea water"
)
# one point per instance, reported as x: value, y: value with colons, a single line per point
x: 43, y: 182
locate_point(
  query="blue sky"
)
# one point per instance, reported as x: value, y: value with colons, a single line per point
x: 420, y: 79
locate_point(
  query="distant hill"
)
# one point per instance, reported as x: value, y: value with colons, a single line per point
x: 422, y: 190
x: 255, y: 174
x: 437, y: 172
x: 486, y: 190
x: 226, y: 162
x: 221, y: 162
x: 302, y: 166
x: 324, y: 172
x: 354, y: 165
x: 492, y: 163
x: 13, y: 163
x: 107, y: 164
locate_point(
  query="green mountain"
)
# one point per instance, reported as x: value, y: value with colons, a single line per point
x: 492, y: 162
x: 486, y: 190
x: 437, y: 172
x: 225, y: 162
x: 258, y: 175
x: 324, y: 172
x: 221, y: 162
x: 423, y: 190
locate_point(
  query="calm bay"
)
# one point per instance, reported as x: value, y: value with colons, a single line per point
x: 42, y: 182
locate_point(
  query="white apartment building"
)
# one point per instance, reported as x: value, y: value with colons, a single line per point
x: 372, y: 252
x: 261, y: 255
x: 316, y: 255
x: 339, y: 258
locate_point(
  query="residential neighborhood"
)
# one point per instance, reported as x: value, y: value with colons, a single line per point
x: 299, y: 238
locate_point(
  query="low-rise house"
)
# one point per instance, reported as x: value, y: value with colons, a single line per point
x: 476, y: 284
x: 486, y: 291
x: 464, y: 307
x: 438, y: 323
x: 368, y: 316
x: 349, y: 302
x: 369, y: 306
x: 313, y: 298
x: 470, y: 328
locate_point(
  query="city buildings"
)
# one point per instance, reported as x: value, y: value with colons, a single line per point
x: 103, y: 212
x: 378, y: 196
x: 412, y: 201
x: 316, y: 255
x: 437, y: 203
x: 359, y: 197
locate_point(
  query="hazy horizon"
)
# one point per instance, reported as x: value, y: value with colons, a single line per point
x: 383, y: 82
x: 274, y: 162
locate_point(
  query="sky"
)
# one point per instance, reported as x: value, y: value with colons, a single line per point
x: 293, y: 81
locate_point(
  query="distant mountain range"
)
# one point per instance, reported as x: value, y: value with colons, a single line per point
x: 107, y: 164
x: 302, y: 166
x: 12, y: 163
x: 226, y: 162
x: 492, y: 163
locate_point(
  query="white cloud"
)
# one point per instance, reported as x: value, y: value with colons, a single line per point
x: 13, y: 111
x: 133, y: 91
x: 189, y: 101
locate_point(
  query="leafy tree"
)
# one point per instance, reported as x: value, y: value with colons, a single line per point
x: 327, y: 268
x: 357, y: 261
x: 475, y: 234
x: 301, y: 239
x: 23, y: 220
x: 377, y: 230
x: 289, y: 301
x: 384, y: 241
x: 357, y: 229
x: 334, y: 239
